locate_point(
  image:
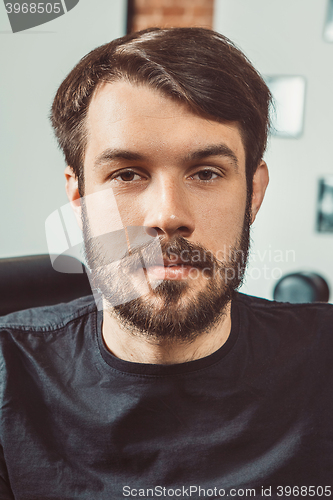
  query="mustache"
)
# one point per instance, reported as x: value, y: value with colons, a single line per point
x: 185, y: 252
x: 135, y: 248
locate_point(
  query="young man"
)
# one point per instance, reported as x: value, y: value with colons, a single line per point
x: 179, y: 386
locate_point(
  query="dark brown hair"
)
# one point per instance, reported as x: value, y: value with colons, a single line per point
x: 194, y: 65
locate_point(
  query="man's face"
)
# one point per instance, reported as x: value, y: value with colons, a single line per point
x: 182, y: 177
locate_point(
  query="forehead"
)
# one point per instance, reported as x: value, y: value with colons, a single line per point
x: 137, y: 117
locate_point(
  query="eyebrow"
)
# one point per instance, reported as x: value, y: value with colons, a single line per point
x: 117, y: 154
x: 111, y: 154
x: 214, y: 150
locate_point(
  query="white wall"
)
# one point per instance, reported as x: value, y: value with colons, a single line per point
x: 33, y: 64
x: 285, y: 37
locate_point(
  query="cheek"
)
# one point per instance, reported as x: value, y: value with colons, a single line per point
x: 220, y: 227
x: 131, y: 210
x: 103, y: 213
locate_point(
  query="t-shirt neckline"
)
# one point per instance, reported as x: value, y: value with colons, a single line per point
x: 174, y: 369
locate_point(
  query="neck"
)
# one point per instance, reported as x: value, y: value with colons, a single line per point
x: 141, y: 349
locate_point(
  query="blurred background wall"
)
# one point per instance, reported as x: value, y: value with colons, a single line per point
x: 280, y: 38
x: 286, y: 38
x: 33, y: 64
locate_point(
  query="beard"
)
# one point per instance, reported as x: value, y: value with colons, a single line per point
x: 174, y: 310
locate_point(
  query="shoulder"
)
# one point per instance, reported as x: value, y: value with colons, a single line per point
x: 261, y: 305
x: 282, y: 317
x: 48, y: 318
x: 43, y: 348
x: 44, y: 336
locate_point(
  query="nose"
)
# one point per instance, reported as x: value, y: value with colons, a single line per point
x: 168, y: 209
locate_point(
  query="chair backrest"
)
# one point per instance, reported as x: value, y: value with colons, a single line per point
x: 31, y: 281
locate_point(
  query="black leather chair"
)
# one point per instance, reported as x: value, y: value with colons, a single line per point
x: 31, y: 281
x: 301, y: 287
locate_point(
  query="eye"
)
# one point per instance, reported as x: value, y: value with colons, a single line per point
x: 206, y: 175
x: 126, y: 176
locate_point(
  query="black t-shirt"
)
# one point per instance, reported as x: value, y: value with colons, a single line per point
x: 254, y: 417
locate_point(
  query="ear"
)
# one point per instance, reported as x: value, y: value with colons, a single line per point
x: 260, y: 182
x: 72, y: 191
